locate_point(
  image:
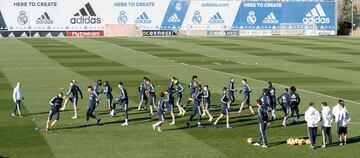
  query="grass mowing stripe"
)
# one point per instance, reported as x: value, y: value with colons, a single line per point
x: 86, y: 64
x: 133, y: 120
x: 321, y: 70
x: 18, y: 137
x: 298, y: 80
x: 296, y: 49
x: 123, y: 54
x: 230, y: 152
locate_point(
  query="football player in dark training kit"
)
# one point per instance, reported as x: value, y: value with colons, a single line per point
x: 75, y: 91
x: 55, y: 104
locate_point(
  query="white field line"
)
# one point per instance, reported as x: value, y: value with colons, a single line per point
x: 304, y: 90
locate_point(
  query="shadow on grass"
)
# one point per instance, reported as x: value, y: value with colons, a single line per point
x: 131, y: 121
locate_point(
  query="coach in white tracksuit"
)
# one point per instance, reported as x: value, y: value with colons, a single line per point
x: 312, y: 118
x: 327, y: 118
x: 17, y: 97
x: 342, y: 118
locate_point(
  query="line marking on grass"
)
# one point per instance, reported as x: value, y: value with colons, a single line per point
x: 304, y: 90
x: 307, y: 91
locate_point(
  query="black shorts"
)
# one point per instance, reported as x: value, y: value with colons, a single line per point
x: 342, y: 130
x: 272, y: 104
x: 178, y: 98
x: 224, y: 110
x: 232, y: 96
x: 246, y: 99
x: 52, y: 113
x: 74, y: 100
x: 143, y: 97
x: 207, y: 104
x: 152, y: 100
x: 170, y: 107
x: 122, y: 103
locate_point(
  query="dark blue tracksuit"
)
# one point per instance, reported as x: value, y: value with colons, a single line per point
x: 224, y: 105
x: 196, y: 104
x: 206, y: 97
x: 108, y: 94
x: 142, y: 88
x: 161, y: 108
x: 265, y: 100
x: 179, y: 89
x: 123, y: 100
x: 93, y: 100
x: 75, y: 91
x: 171, y: 99
x: 294, y: 103
x: 192, y: 92
x: 232, y: 91
x: 55, y: 104
x: 246, y: 92
x: 262, y: 118
x: 272, y: 97
x: 284, y: 101
x: 98, y: 90
x: 152, y: 95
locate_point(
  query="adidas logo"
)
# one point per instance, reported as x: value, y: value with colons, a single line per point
x: 174, y: 18
x: 316, y: 15
x: 216, y: 19
x: 86, y: 15
x: 143, y: 18
x: 44, y: 19
x: 270, y: 19
x: 2, y: 23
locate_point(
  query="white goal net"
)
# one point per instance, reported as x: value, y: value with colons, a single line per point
x: 298, y: 29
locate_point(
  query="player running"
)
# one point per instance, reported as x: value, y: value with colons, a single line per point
x: 225, y: 106
x: 98, y: 90
x: 294, y: 103
x: 196, y: 106
x: 232, y: 90
x: 160, y: 112
x: 75, y: 91
x: 246, y: 99
x: 55, y: 103
x: 192, y: 91
x: 178, y: 90
x: 108, y: 94
x: 206, y: 102
x: 123, y: 101
x: 150, y: 91
x: 17, y: 97
x: 284, y: 101
x: 272, y: 99
x: 170, y: 100
x: 143, y: 97
x: 93, y: 102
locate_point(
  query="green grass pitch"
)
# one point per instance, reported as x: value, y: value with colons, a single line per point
x: 322, y: 68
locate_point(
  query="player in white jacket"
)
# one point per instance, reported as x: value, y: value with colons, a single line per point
x: 342, y: 119
x: 312, y: 117
x: 327, y: 119
x: 17, y: 97
x: 336, y: 108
